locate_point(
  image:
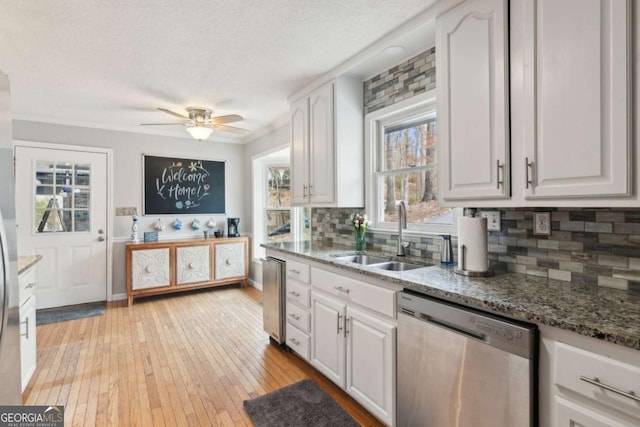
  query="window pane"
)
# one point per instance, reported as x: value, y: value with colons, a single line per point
x: 410, y: 146
x: 278, y: 226
x: 63, y: 174
x: 419, y: 192
x: 44, y: 173
x: 81, y: 220
x: 82, y: 174
x: 279, y: 190
x: 81, y: 198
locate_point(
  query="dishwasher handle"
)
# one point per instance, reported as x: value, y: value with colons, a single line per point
x: 452, y: 327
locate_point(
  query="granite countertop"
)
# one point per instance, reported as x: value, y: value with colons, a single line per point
x: 26, y: 262
x: 607, y: 314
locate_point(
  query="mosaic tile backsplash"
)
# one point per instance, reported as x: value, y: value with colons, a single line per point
x: 598, y: 247
x: 403, y: 81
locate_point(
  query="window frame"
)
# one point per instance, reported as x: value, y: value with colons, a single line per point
x: 375, y: 122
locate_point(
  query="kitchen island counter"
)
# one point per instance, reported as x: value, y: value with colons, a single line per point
x: 607, y: 314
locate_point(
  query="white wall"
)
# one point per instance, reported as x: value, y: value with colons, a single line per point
x: 127, y: 177
x: 266, y: 144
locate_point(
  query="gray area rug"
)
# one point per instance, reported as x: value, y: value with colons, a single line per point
x: 69, y: 312
x: 300, y: 404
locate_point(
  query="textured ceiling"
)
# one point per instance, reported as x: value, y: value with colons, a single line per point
x: 109, y: 64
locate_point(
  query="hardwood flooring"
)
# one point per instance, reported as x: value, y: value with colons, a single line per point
x: 180, y: 360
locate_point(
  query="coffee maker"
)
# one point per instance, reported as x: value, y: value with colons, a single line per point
x: 232, y: 227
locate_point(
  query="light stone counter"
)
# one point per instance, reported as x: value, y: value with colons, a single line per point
x: 607, y: 314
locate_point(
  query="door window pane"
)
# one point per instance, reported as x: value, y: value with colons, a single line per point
x: 62, y: 197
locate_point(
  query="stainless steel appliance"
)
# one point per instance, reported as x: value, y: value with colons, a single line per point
x: 461, y: 367
x: 273, y: 277
x: 11, y: 387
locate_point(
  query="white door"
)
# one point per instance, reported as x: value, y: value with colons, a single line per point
x: 473, y: 101
x: 578, y: 92
x: 327, y: 348
x: 61, y: 207
x: 371, y: 363
x: 321, y: 137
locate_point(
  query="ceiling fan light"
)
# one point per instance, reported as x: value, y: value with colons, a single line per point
x: 199, y: 132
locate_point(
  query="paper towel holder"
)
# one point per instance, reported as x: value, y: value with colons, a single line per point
x: 469, y: 273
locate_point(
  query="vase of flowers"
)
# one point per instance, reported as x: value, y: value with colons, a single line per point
x: 360, y: 225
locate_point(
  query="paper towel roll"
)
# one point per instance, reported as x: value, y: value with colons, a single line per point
x: 472, y: 238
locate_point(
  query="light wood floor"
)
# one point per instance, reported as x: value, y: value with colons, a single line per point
x: 186, y: 360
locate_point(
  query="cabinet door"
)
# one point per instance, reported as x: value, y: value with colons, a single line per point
x: 570, y: 414
x: 327, y: 348
x: 321, y: 142
x: 150, y: 268
x: 370, y: 378
x: 28, y: 340
x: 230, y: 260
x: 577, y: 98
x: 473, y: 101
x: 299, y: 152
x: 193, y: 264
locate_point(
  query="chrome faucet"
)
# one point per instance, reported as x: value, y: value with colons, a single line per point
x: 402, y: 224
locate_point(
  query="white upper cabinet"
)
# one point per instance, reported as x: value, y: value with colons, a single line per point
x: 473, y: 102
x: 577, y: 98
x: 327, y: 146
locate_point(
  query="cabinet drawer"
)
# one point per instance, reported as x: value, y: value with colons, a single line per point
x: 297, y: 270
x: 298, y: 341
x: 298, y: 292
x: 298, y: 317
x: 26, y: 282
x: 573, y: 363
x: 370, y: 296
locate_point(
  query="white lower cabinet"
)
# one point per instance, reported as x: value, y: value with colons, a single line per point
x: 356, y: 351
x: 328, y: 337
x: 371, y: 362
x: 28, y: 340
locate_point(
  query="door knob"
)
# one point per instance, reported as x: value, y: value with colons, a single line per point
x: 101, y: 231
x: 100, y: 238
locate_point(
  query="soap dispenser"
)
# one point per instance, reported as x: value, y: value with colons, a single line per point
x: 446, y: 256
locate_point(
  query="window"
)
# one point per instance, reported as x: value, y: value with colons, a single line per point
x: 274, y: 220
x: 402, y: 161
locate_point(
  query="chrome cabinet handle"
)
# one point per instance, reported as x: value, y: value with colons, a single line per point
x: 30, y: 285
x: 291, y: 270
x: 310, y: 187
x: 499, y: 168
x: 341, y: 289
x: 346, y: 330
x: 294, y: 316
x: 294, y: 341
x: 596, y: 382
x: 527, y: 165
x: 304, y: 191
x: 339, y: 327
x: 295, y: 294
x: 26, y: 328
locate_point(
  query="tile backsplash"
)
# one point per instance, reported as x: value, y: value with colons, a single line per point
x: 595, y: 247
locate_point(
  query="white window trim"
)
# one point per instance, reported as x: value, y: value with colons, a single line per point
x: 374, y: 123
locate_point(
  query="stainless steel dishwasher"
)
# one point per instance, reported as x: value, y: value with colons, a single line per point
x: 460, y: 367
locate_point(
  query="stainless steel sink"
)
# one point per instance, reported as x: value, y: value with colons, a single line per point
x: 362, y: 259
x: 395, y: 266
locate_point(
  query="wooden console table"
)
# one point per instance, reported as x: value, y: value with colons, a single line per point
x: 173, y: 266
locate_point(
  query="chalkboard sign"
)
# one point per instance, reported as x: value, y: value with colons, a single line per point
x: 182, y: 186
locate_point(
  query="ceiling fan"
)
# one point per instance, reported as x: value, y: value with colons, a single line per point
x: 200, y: 124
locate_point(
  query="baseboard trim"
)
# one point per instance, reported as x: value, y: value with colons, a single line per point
x: 255, y: 284
x: 118, y: 297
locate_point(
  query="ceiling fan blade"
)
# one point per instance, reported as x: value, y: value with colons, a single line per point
x: 225, y: 119
x: 161, y: 124
x: 231, y: 129
x: 182, y: 116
